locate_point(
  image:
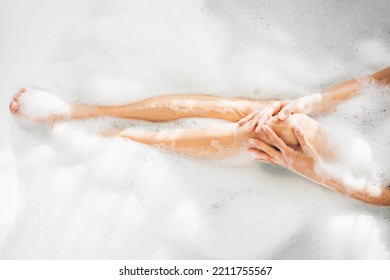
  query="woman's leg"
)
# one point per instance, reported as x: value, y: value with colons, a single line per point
x: 173, y: 107
x: 382, y: 76
x: 162, y: 108
x: 225, y: 140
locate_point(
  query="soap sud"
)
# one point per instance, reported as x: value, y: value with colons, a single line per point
x: 358, y: 135
x: 37, y: 103
x: 87, y: 196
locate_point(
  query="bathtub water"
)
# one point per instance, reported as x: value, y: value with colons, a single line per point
x: 87, y: 196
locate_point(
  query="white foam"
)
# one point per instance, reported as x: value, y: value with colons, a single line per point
x: 36, y: 103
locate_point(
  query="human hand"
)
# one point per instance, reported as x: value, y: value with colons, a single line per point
x: 281, y: 109
x: 259, y: 117
x: 301, y: 161
x: 306, y: 105
x: 306, y: 162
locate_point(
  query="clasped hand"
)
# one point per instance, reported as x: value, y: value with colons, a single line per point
x: 282, y: 109
x: 301, y: 160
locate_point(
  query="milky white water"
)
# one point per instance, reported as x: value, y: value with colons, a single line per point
x: 86, y: 196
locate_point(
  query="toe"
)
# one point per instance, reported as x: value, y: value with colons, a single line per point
x: 20, y: 92
x: 14, y: 107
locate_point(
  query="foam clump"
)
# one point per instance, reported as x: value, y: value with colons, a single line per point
x: 37, y: 103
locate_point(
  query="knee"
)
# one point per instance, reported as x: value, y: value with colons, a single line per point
x: 382, y: 75
x: 284, y: 129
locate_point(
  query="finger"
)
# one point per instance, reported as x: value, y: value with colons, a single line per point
x: 278, y: 106
x: 305, y: 145
x: 260, y: 145
x: 254, y: 122
x: 247, y: 118
x: 260, y: 155
x: 273, y: 109
x: 284, y: 103
x: 302, y: 140
x: 260, y: 123
x: 285, y: 113
x: 275, y: 139
x: 264, y: 118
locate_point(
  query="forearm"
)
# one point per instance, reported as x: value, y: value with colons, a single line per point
x: 375, y: 196
x: 380, y: 196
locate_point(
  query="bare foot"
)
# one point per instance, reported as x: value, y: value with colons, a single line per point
x: 14, y: 105
x: 39, y: 106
